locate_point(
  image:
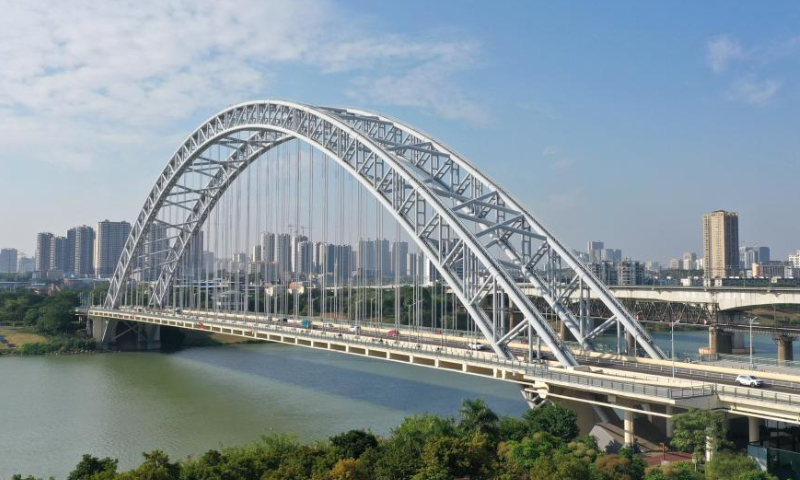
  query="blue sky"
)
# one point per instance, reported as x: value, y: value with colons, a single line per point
x: 620, y: 121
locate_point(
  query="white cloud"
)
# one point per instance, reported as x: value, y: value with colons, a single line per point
x: 753, y: 91
x: 551, y: 150
x: 721, y: 51
x: 79, y: 76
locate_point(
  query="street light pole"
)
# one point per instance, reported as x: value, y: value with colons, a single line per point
x: 752, y: 366
x: 672, y: 341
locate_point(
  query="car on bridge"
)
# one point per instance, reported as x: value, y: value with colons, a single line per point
x: 477, y: 346
x: 749, y: 381
x: 393, y: 333
x: 355, y: 328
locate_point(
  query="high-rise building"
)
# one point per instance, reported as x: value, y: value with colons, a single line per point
x: 605, y: 271
x: 750, y: 255
x: 59, y: 254
x: 399, y: 261
x: 689, y: 261
x: 613, y: 255
x: 303, y: 258
x: 268, y: 247
x: 630, y: 272
x: 8, y: 260
x: 81, y: 241
x: 111, y: 238
x: 411, y: 265
x: 595, y: 249
x: 721, y: 244
x: 283, y: 254
x: 256, y: 256
x: 26, y: 264
x: 44, y: 248
x: 374, y: 258
x: 794, y: 259
x: 295, y: 251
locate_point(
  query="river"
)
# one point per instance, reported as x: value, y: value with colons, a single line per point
x: 53, y: 409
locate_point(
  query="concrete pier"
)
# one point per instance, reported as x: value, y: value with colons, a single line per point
x: 754, y: 429
x: 785, y: 349
x: 719, y: 341
x: 630, y: 436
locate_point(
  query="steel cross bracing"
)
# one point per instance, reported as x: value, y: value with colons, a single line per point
x: 507, y: 227
x: 460, y: 220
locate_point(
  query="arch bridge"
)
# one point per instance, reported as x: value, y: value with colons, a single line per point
x: 237, y: 187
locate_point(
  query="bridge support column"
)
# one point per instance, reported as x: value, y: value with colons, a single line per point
x: 719, y: 341
x: 564, y: 333
x: 631, y: 344
x: 629, y: 438
x: 669, y: 428
x: 754, y: 429
x: 785, y: 349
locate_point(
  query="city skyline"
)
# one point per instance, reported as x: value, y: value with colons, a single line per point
x: 711, y: 98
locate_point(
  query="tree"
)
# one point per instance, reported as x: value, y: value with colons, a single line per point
x: 554, y: 419
x: 477, y: 417
x: 560, y: 466
x: 457, y: 457
x: 349, y: 469
x: 673, y: 471
x: 693, y: 429
x: 156, y: 466
x: 354, y: 443
x: 525, y: 453
x: 734, y: 466
x: 512, y: 428
x: 625, y: 465
x: 93, y: 468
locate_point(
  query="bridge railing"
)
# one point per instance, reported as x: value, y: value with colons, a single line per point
x: 540, y: 371
x: 758, y: 361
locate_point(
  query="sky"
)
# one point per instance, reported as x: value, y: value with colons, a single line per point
x: 618, y: 121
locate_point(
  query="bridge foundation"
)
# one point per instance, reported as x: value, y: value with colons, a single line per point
x: 719, y: 341
x: 785, y: 349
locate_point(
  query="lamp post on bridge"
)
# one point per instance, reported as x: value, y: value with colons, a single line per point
x: 672, y: 341
x: 751, y: 319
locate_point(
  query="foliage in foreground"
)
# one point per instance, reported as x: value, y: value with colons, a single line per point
x: 541, y: 445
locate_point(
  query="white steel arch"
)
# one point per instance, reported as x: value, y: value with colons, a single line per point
x: 478, y: 238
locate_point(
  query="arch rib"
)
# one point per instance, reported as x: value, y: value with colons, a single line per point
x: 412, y: 191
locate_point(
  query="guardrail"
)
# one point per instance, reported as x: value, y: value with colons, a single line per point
x: 762, y: 361
x: 446, y: 353
x: 538, y: 371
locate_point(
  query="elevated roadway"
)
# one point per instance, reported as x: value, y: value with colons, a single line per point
x: 633, y: 385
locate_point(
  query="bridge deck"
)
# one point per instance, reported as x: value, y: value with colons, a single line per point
x: 636, y: 380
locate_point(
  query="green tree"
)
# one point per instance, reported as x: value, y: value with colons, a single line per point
x: 734, y: 466
x: 93, y: 468
x: 512, y: 428
x: 477, y: 417
x: 457, y: 457
x: 156, y: 466
x: 553, y: 419
x: 560, y: 466
x: 694, y: 428
x: 525, y: 453
x: 354, y: 443
x: 625, y: 465
x: 349, y: 469
x: 673, y: 471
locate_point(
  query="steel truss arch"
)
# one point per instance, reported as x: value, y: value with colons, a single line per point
x: 436, y: 213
